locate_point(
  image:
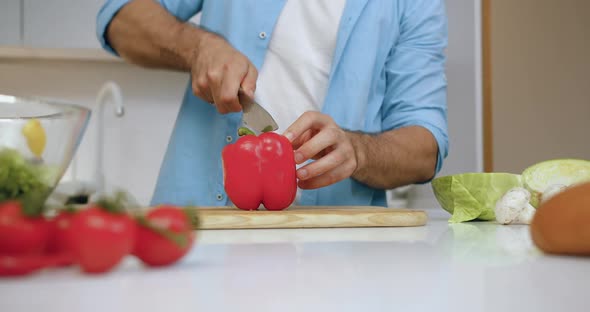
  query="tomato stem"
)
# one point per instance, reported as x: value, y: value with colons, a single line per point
x: 193, y: 217
x: 116, y: 204
x: 176, y: 238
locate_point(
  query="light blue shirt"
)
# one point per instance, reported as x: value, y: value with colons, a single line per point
x: 388, y: 72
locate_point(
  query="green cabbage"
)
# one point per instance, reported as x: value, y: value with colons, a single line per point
x: 567, y: 172
x: 473, y: 196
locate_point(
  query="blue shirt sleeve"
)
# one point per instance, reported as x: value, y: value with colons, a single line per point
x: 181, y: 9
x: 416, y: 92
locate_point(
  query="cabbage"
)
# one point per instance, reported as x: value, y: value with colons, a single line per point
x: 539, y: 177
x: 473, y: 196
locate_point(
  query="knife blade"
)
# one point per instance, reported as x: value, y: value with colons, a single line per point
x: 255, y: 116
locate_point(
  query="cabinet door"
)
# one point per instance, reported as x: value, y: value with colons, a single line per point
x: 10, y: 22
x: 60, y: 23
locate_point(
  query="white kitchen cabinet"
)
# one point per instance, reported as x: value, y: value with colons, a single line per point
x: 60, y: 24
x: 10, y: 22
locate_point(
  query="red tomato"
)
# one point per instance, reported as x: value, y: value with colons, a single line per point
x: 168, y: 237
x: 27, y: 264
x: 19, y: 234
x: 100, y: 239
x: 59, y: 238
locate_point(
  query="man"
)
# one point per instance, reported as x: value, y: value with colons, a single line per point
x: 358, y: 86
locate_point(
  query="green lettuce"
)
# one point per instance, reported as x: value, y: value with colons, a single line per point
x: 21, y: 180
x: 473, y: 196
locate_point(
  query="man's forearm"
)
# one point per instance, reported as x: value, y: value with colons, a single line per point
x: 394, y: 158
x: 145, y: 34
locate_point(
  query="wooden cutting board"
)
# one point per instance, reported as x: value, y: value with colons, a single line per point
x: 309, y: 217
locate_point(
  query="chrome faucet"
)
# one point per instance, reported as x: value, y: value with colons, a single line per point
x: 80, y: 192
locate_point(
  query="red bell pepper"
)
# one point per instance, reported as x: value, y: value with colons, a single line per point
x: 260, y: 170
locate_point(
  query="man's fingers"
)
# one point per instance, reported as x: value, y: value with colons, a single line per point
x: 218, y: 71
x: 324, y: 139
x: 201, y: 89
x: 309, y: 120
x: 249, y: 81
x: 214, y: 78
x: 222, y: 109
x: 333, y: 176
x: 323, y: 165
x: 228, y: 92
x: 306, y: 136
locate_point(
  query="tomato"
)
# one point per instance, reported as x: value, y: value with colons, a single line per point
x: 164, y: 236
x: 100, y: 239
x: 16, y: 265
x: 19, y: 234
x: 59, y: 239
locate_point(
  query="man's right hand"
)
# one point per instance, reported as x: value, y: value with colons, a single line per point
x: 218, y: 71
x: 144, y: 33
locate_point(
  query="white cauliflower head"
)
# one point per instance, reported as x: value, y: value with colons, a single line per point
x: 514, y: 207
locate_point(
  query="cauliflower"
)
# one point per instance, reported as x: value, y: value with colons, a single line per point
x: 514, y: 207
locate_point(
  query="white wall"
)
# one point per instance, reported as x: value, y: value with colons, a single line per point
x: 152, y: 99
x: 540, y: 81
x: 135, y: 143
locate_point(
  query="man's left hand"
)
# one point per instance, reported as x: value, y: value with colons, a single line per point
x: 316, y: 136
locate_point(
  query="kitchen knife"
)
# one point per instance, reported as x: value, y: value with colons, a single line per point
x: 255, y: 116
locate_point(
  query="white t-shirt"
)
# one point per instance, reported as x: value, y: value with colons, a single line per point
x: 294, y: 75
x: 296, y: 69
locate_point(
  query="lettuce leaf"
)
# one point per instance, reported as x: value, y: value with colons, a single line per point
x: 23, y: 181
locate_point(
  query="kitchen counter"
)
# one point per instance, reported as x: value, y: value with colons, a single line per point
x: 477, y: 266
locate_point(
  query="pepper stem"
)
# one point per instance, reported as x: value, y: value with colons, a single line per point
x: 242, y: 131
x: 267, y: 129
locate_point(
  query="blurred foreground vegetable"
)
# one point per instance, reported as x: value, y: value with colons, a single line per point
x: 96, y: 237
x: 562, y: 223
x: 165, y: 235
x: 21, y: 180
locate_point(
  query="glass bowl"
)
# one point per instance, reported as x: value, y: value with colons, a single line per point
x: 38, y: 139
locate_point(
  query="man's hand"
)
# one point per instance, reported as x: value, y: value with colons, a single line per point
x: 317, y: 136
x: 385, y: 161
x: 144, y: 33
x: 218, y: 71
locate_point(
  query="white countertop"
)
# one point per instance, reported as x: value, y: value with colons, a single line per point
x: 438, y: 267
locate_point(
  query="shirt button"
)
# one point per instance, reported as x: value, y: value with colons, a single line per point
x: 219, y: 196
x: 229, y: 139
x: 262, y: 35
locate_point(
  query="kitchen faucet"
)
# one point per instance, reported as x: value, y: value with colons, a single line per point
x: 112, y: 89
x: 79, y: 192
